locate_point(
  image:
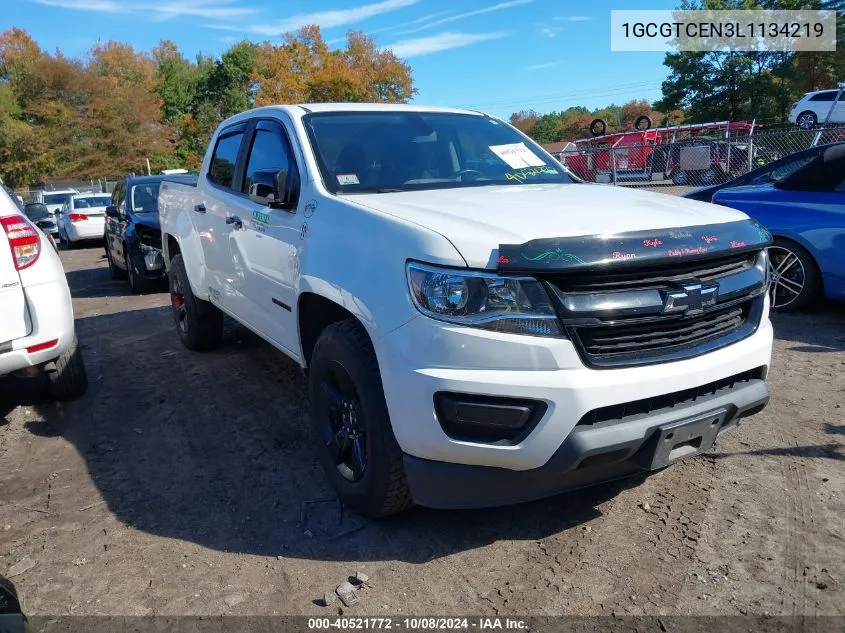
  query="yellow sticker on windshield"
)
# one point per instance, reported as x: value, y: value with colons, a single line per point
x: 524, y: 174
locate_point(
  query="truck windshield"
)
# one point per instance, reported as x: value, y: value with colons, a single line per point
x: 383, y: 152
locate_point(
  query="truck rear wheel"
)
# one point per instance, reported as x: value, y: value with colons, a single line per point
x: 199, y: 323
x: 351, y: 425
x: 66, y: 375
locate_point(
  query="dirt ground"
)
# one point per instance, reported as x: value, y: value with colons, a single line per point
x: 180, y: 484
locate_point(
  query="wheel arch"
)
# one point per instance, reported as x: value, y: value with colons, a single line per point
x: 314, y: 313
x: 171, y: 247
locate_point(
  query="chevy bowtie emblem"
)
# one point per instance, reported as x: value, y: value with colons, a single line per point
x: 690, y: 299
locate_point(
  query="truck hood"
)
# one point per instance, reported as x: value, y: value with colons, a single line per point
x: 477, y: 219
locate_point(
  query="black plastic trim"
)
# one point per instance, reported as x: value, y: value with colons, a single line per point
x: 498, y: 420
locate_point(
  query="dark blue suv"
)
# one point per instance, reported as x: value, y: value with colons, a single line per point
x: 133, y: 231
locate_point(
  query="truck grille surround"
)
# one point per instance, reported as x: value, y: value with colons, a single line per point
x: 660, y: 313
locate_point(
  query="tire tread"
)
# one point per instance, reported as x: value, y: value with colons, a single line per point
x: 350, y: 332
x: 207, y: 332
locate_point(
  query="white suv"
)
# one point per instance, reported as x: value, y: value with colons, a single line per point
x: 814, y: 107
x: 36, y: 323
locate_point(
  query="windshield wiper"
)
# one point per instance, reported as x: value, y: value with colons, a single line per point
x: 389, y: 190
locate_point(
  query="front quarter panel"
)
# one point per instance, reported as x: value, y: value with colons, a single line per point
x: 356, y: 257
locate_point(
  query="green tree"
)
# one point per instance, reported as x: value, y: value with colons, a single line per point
x: 547, y: 129
x: 175, y: 80
x: 744, y: 84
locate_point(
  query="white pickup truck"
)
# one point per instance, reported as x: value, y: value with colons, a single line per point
x: 476, y: 328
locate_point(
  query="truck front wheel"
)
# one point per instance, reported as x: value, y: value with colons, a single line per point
x: 351, y: 425
x: 199, y: 323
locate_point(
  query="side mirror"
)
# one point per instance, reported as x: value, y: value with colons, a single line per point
x: 272, y: 189
x: 112, y: 212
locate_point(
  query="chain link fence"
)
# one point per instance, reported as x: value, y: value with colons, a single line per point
x: 691, y: 162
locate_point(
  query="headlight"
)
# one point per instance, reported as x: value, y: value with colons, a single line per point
x: 483, y: 300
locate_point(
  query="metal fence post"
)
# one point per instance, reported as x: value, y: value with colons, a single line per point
x: 613, y: 164
x: 728, y: 139
x: 751, y: 146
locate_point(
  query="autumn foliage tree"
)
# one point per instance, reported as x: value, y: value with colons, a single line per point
x: 303, y: 70
x: 110, y: 112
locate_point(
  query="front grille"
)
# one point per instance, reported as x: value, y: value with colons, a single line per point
x: 628, y: 411
x: 618, y: 318
x: 653, y: 276
x: 661, y: 333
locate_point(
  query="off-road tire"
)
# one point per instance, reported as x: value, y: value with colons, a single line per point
x: 204, y: 321
x: 383, y: 489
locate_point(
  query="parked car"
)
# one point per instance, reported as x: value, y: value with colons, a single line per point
x: 473, y: 336
x: 776, y: 170
x: 805, y: 212
x: 133, y: 232
x: 36, y: 330
x: 56, y: 200
x: 41, y: 217
x: 83, y: 218
x: 813, y: 108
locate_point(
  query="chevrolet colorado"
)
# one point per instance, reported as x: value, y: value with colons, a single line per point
x: 476, y: 328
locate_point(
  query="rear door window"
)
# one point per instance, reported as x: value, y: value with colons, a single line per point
x: 225, y: 158
x: 830, y: 95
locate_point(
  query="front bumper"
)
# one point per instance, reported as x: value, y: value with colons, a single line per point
x: 587, y: 456
x: 149, y: 261
x: 425, y: 357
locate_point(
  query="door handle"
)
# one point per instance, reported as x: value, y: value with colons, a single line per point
x: 199, y: 208
x: 235, y: 221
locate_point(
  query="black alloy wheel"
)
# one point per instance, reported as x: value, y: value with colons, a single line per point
x: 342, y: 417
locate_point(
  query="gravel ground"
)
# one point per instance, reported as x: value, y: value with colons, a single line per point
x: 177, y: 486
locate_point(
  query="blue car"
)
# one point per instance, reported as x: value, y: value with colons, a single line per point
x: 804, y: 209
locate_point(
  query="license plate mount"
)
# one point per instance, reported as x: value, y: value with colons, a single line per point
x: 682, y: 439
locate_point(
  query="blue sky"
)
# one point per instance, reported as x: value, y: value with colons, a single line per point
x: 496, y: 55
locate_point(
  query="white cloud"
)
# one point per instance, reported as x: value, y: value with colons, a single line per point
x: 208, y: 9
x: 546, y: 65
x: 461, y: 16
x: 332, y: 18
x: 573, y: 18
x: 551, y: 31
x: 441, y: 42
x: 402, y: 25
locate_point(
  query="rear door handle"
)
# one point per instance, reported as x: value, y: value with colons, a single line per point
x: 199, y: 208
x: 235, y: 221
